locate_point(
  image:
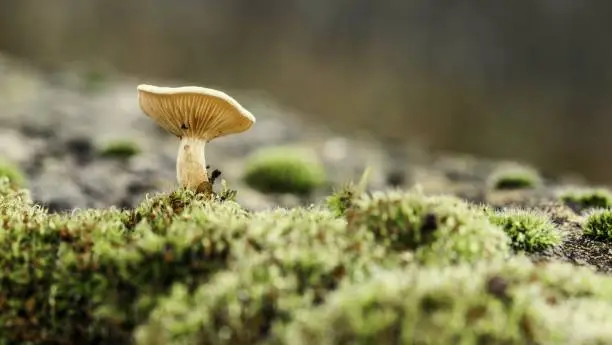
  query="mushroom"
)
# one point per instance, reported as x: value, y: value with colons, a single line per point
x: 196, y: 115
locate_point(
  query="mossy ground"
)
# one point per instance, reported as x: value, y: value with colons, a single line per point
x: 120, y: 149
x: 281, y: 169
x: 392, y: 267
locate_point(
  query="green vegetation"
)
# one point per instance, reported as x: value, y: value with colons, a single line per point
x: 514, y: 177
x: 598, y: 224
x: 528, y: 230
x: 226, y: 194
x: 587, y: 198
x: 93, y: 77
x: 121, y: 149
x: 284, y: 170
x: 438, y: 229
x: 186, y: 269
x: 512, y: 302
x: 13, y: 173
x: 343, y: 199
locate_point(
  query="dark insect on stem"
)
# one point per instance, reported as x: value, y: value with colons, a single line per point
x: 184, y: 126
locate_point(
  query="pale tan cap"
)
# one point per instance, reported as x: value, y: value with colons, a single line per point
x: 195, y: 112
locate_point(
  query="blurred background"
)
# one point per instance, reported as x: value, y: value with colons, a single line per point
x: 524, y: 80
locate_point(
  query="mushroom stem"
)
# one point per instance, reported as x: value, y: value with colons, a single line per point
x: 191, y: 163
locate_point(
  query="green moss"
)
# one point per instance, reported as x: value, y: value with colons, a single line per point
x: 343, y: 198
x: 528, y: 230
x: 437, y: 229
x: 587, y: 198
x: 284, y: 170
x: 514, y: 177
x: 226, y: 193
x: 283, y: 270
x: 121, y: 149
x: 496, y: 302
x: 245, y: 305
x: 12, y: 194
x: 184, y: 268
x: 13, y: 173
x: 94, y: 80
x: 97, y: 273
x: 598, y: 225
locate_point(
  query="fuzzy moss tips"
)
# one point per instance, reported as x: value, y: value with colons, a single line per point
x: 514, y: 176
x: 586, y: 198
x: 242, y: 306
x: 12, y: 173
x: 120, y: 262
x: 119, y: 149
x: 500, y: 302
x: 598, y: 225
x: 284, y: 170
x: 288, y: 259
x: 226, y: 193
x: 343, y: 198
x: 528, y: 230
x: 12, y: 193
x: 163, y: 209
x: 437, y: 229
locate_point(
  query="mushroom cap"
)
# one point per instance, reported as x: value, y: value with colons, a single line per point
x: 193, y: 111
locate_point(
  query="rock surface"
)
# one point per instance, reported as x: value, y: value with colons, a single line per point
x: 53, y: 126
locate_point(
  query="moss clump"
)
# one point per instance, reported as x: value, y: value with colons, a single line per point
x: 246, y: 305
x: 121, y: 149
x: 226, y: 193
x: 343, y: 199
x: 283, y: 270
x: 528, y: 230
x: 184, y: 268
x: 437, y: 229
x: 284, y: 170
x: 94, y: 79
x: 12, y: 194
x: 514, y: 177
x: 13, y: 173
x: 497, y: 302
x: 587, y: 198
x: 598, y: 225
x: 93, y: 275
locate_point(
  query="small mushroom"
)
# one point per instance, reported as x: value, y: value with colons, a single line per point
x: 196, y: 115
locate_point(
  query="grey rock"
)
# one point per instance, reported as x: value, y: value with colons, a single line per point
x: 103, y: 181
x: 52, y: 128
x: 15, y: 147
x: 81, y: 149
x: 55, y: 189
